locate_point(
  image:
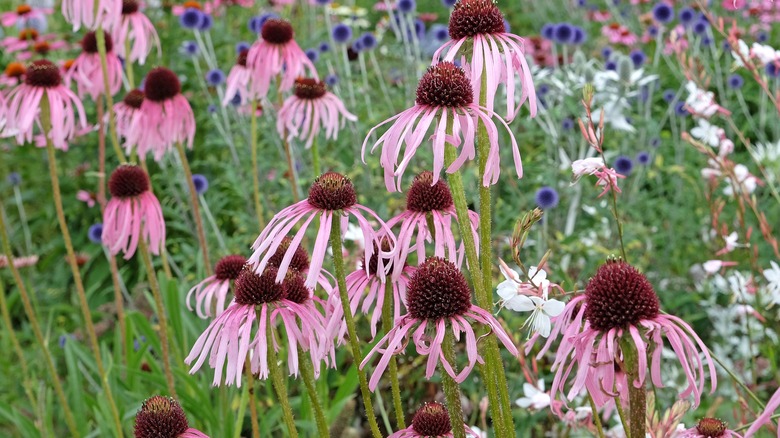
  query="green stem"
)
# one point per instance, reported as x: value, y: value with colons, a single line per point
x: 461, y: 209
x: 596, y: 416
x: 250, y: 379
x: 307, y: 372
x: 74, y: 267
x: 129, y: 65
x: 101, y: 43
x: 163, y: 320
x: 315, y: 157
x: 387, y: 325
x: 204, y: 247
x: 278, y: 379
x: 637, y: 397
x: 255, y: 170
x: 338, y: 264
x: 451, y: 387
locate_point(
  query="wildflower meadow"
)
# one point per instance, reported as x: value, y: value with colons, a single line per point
x: 392, y: 218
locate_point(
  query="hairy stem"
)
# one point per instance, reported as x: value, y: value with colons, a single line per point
x: 451, y: 387
x: 255, y: 171
x: 307, y: 372
x: 250, y: 379
x: 101, y: 43
x: 204, y: 247
x: 387, y: 325
x: 278, y: 380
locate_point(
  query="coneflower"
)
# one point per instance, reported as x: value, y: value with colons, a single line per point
x: 163, y: 417
x: 91, y: 14
x: 86, y: 69
x: 136, y: 31
x: 211, y: 293
x: 431, y: 421
x: 709, y: 428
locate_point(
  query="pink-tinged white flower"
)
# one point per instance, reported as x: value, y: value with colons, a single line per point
x: 498, y: 55
x: 731, y: 242
x: 238, y: 80
x: 534, y: 396
x: 714, y: 266
x: 763, y: 53
x: 211, y: 293
x: 165, y: 117
x: 432, y: 420
x: 445, y: 100
x: 772, y: 277
x: 586, y: 166
x: 743, y: 182
x: 43, y: 81
x: 438, y: 298
x: 423, y: 200
x: 227, y: 341
x: 531, y: 296
x: 766, y: 417
x: 133, y: 213
x: 125, y: 112
x: 702, y: 103
x: 163, y: 417
x: 608, y: 179
x: 23, y: 13
x: 137, y: 32
x: 87, y: 71
x: 310, y: 109
x: 707, y: 133
x: 331, y: 197
x: 86, y: 197
x: 19, y: 262
x: 620, y: 307
x: 709, y: 428
x: 276, y: 52
x: 91, y: 14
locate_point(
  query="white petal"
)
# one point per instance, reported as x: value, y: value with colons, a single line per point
x: 553, y: 307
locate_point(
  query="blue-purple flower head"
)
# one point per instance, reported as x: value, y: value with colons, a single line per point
x: 669, y: 95
x: 368, y: 40
x: 567, y: 124
x: 762, y: 37
x: 687, y: 15
x: 548, y: 31
x: 14, y: 178
x: 406, y: 6
x: 357, y: 46
x: 332, y: 80
x: 542, y: 89
x: 772, y: 69
x: 624, y: 165
x: 324, y: 47
x: 191, y: 18
x: 564, y: 33
x: 324, y: 2
x: 95, y: 233
x: 606, y: 52
x: 579, y: 36
x: 700, y: 26
x: 312, y: 54
x: 449, y: 3
x: 439, y: 33
x: 190, y: 48
x: 342, y: 33
x: 735, y: 81
x: 241, y: 46
x: 546, y: 198
x: 638, y: 57
x: 206, y: 23
x: 507, y: 26
x: 643, y: 158
x: 652, y: 30
x: 201, y: 183
x: 256, y: 23
x: 236, y: 100
x: 610, y: 65
x: 215, y: 77
x: 663, y: 12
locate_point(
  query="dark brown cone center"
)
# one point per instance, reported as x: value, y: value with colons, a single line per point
x: 445, y: 85
x: 475, y: 17
x: 332, y: 191
x: 229, y: 267
x: 309, y: 89
x: 254, y: 289
x: 424, y: 196
x: 128, y: 181
x: 160, y: 417
x: 43, y: 73
x: 432, y: 420
x: 618, y: 296
x: 161, y: 84
x: 437, y: 290
x: 277, y: 31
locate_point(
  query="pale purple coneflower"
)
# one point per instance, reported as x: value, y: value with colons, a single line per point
x: 311, y: 108
x: 165, y: 117
x: 620, y: 307
x: 445, y: 100
x: 432, y: 420
x: 237, y: 82
x: 211, y: 293
x: 437, y: 296
x: 137, y: 32
x: 163, y: 417
x: 22, y: 14
x: 227, y: 340
x: 709, y: 428
x: 276, y: 52
x: 91, y: 14
x: 87, y: 71
x: 426, y: 198
x: 43, y: 80
x: 133, y: 213
x: 125, y: 111
x: 331, y: 197
x: 477, y: 27
x: 13, y: 74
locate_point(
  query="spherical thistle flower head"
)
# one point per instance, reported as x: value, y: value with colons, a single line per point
x: 133, y: 213
x: 86, y: 70
x: 191, y: 18
x: 669, y: 95
x: 95, y: 233
x: 643, y: 158
x: 211, y: 293
x: 342, y: 33
x: 700, y: 26
x: 663, y: 12
x: 406, y: 6
x: 495, y: 52
x: 258, y: 296
x: 546, y: 198
x: 190, y: 48
x: 618, y: 309
x: 606, y: 52
x: 687, y: 15
x: 310, y: 110
x: 163, y: 417
x: 201, y: 183
x: 624, y: 165
x: 579, y: 36
x: 22, y: 114
x: 680, y: 110
x: 14, y: 178
x: 313, y: 54
x: 332, y: 80
x: 242, y: 46
x: 438, y: 298
x: 332, y: 197
x: 548, y: 31
x: 638, y: 57
x: 735, y: 81
x: 444, y: 92
x: 165, y: 117
x: 710, y: 428
x: 324, y: 47
x: 564, y: 33
x: 206, y: 23
x: 276, y: 53
x: 773, y: 69
x: 215, y: 77
x: 762, y: 36
x: 368, y: 40
x: 440, y: 33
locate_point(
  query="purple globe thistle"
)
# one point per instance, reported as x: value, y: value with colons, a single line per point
x: 241, y: 46
x: 546, y: 198
x: 542, y: 89
x: 406, y: 6
x: 256, y: 23
x: 701, y: 26
x: 638, y: 57
x: 652, y: 30
x: 564, y: 33
x: 449, y: 3
x: 332, y: 80
x: 606, y: 52
x: 206, y: 23
x: 680, y: 110
x: 669, y: 95
x: 342, y: 33
x: 762, y: 37
x: 663, y: 12
x: 579, y: 36
x: 643, y: 158
x: 191, y: 18
x: 368, y: 40
x: 312, y: 54
x: 324, y: 47
x: 201, y: 183
x: 14, y: 178
x: 624, y: 165
x: 687, y: 15
x: 95, y: 233
x: 357, y: 46
x: 735, y: 81
x: 190, y: 48
x: 548, y: 31
x: 610, y: 65
x: 215, y: 77
x: 773, y: 69
x: 440, y: 32
x: 567, y: 124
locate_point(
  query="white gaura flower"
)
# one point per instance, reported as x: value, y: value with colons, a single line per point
x: 586, y: 166
x: 531, y: 296
x: 764, y: 53
x: 747, y: 182
x: 707, y: 133
x: 534, y: 396
x: 744, y: 50
x: 773, y: 282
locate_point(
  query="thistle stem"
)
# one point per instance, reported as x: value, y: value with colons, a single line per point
x: 204, y: 247
x: 163, y: 320
x: 451, y: 387
x: 101, y: 45
x: 307, y: 372
x: 255, y: 171
x: 74, y: 267
x: 278, y: 380
x: 387, y: 325
x: 338, y: 264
